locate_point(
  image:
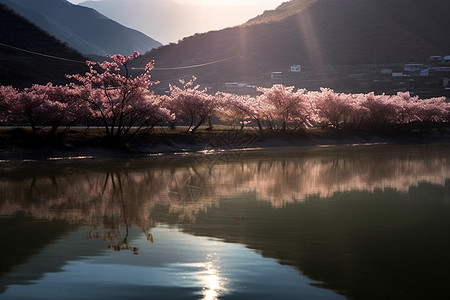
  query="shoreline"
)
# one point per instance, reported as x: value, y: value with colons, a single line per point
x: 16, y: 151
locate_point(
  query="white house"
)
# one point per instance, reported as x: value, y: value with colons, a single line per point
x: 296, y: 68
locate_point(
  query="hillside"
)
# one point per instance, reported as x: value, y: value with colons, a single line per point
x: 285, y: 10
x: 82, y: 28
x: 169, y: 21
x: 317, y: 34
x: 20, y: 68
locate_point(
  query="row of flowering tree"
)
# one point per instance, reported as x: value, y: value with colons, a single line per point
x: 106, y: 94
x: 281, y: 108
x: 123, y: 104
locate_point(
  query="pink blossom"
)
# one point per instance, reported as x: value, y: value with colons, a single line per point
x: 8, y: 96
x: 285, y: 108
x: 149, y: 66
x: 119, y: 101
x: 192, y: 105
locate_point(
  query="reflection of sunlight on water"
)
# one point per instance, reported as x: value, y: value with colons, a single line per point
x: 211, y: 278
x: 207, y: 276
x: 70, y: 158
x: 155, y: 154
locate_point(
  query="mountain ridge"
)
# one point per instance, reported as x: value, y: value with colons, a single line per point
x: 96, y: 34
x: 284, y: 10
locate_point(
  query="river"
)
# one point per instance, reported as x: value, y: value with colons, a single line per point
x: 338, y: 222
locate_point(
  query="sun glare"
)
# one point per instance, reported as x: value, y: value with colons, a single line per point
x: 312, y: 43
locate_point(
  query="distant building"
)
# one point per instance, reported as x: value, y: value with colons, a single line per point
x: 442, y: 71
x: 386, y: 71
x: 436, y: 58
x: 435, y: 71
x: 276, y: 75
x: 398, y: 74
x: 413, y: 67
x: 233, y: 85
x: 296, y: 68
x: 425, y: 72
x: 239, y: 88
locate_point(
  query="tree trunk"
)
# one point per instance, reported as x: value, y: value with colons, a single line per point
x: 54, y: 129
x: 198, y: 124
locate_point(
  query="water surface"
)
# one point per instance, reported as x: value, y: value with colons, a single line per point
x: 366, y: 222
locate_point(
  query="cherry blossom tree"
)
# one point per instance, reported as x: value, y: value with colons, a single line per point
x: 116, y: 98
x: 284, y: 108
x: 433, y: 110
x: 59, y: 106
x: 334, y: 109
x: 8, y: 95
x: 238, y: 109
x: 28, y: 108
x: 153, y: 110
x: 192, y: 105
x: 402, y: 104
x: 381, y: 110
x: 41, y: 105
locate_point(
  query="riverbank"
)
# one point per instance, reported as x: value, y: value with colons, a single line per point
x: 21, y: 145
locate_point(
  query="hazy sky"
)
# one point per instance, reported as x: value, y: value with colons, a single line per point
x: 172, y: 25
x: 255, y: 3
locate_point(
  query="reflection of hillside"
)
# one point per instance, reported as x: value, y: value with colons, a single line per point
x: 380, y: 245
x: 53, y: 255
x: 24, y: 237
x: 128, y: 195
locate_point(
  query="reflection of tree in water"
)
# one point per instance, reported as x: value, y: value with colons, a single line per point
x: 99, y: 200
x: 191, y: 190
x: 292, y: 180
x: 127, y: 196
x: 108, y: 224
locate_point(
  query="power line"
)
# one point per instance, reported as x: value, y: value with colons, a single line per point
x: 133, y: 68
x: 194, y: 66
x: 42, y: 54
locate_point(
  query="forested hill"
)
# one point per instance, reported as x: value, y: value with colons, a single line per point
x: 314, y: 34
x: 21, y: 68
